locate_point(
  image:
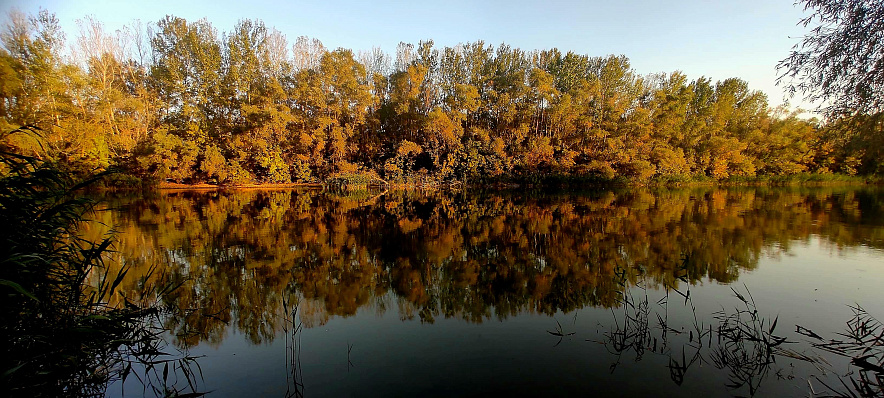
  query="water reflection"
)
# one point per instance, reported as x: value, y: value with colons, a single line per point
x: 741, y: 341
x: 294, y: 369
x: 238, y: 256
x: 746, y: 344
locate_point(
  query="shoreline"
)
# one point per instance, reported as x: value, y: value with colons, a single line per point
x: 176, y: 186
x: 167, y: 186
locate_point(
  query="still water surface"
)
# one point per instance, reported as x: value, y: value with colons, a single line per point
x: 608, y: 293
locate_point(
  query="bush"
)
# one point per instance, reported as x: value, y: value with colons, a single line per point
x: 357, y: 178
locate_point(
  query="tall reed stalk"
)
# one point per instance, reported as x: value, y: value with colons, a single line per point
x: 59, y: 335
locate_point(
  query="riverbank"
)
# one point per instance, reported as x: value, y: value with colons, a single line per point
x: 173, y: 186
x: 124, y: 182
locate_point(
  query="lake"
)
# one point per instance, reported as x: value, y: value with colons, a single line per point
x: 671, y: 292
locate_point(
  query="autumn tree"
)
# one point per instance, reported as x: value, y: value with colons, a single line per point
x: 181, y: 101
x: 840, y: 64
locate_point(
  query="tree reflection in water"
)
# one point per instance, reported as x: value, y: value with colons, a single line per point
x: 243, y: 259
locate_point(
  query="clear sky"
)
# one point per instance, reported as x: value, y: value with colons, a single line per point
x: 717, y: 39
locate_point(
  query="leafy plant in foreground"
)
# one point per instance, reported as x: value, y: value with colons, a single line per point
x: 59, y: 335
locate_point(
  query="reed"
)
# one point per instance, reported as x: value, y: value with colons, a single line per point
x: 59, y: 334
x: 745, y: 344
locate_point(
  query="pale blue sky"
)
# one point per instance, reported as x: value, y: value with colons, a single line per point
x: 718, y: 39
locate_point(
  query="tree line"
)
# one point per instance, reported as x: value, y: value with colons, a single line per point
x: 178, y: 101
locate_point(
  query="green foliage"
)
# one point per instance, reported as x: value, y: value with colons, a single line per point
x: 354, y: 179
x: 170, y: 157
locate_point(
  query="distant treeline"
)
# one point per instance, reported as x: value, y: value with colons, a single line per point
x: 178, y: 101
